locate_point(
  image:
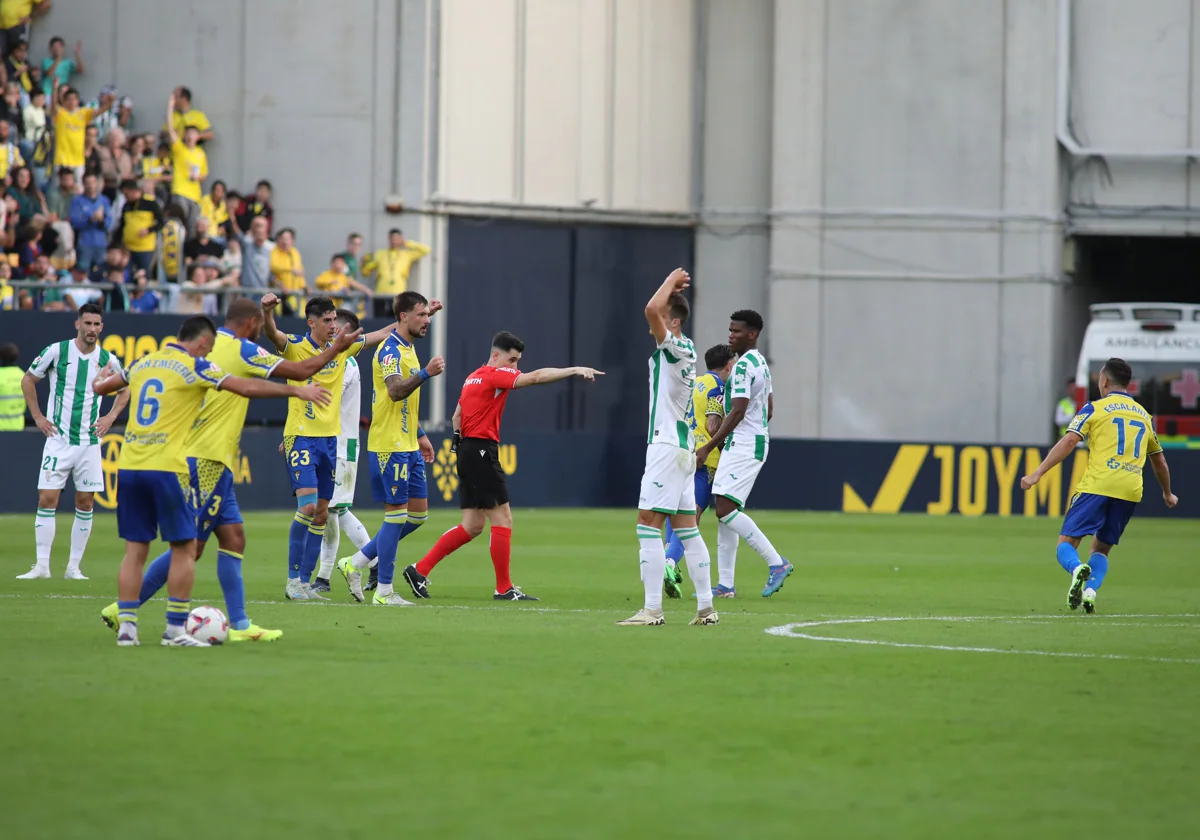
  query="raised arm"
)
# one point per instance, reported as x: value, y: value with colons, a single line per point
x: 658, y: 307
x: 1053, y: 458
x: 277, y: 338
x: 110, y: 383
x: 399, y: 389
x: 735, y: 415
x: 172, y: 134
x: 288, y: 369
x: 544, y: 376
x: 257, y: 388
x: 29, y: 389
x: 1158, y: 463
x: 79, y: 66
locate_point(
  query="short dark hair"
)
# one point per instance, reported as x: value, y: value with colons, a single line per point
x: 678, y: 307
x: 130, y: 184
x: 349, y: 317
x: 66, y: 170
x: 91, y: 309
x: 406, y: 302
x: 186, y: 93
x: 218, y: 183
x: 318, y: 307
x: 242, y: 310
x: 195, y: 327
x: 9, y: 353
x: 264, y: 183
x: 338, y: 256
x: 396, y: 231
x: 57, y: 40
x: 354, y: 236
x: 87, y: 175
x: 282, y: 231
x: 748, y: 317
x: 717, y: 357
x: 1119, y: 371
x: 507, y: 342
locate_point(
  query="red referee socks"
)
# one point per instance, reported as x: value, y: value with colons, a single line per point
x: 451, y: 541
x: 501, y: 548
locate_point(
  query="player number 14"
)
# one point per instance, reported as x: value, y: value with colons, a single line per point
x: 1120, y: 423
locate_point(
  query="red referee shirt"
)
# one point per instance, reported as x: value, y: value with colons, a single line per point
x: 482, y: 401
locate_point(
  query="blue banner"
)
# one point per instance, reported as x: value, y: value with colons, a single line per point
x: 586, y: 470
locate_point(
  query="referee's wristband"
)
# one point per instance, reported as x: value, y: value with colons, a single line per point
x: 455, y: 441
x: 424, y: 375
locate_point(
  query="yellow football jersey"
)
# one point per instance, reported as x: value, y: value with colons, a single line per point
x: 1120, y: 436
x: 307, y: 419
x: 708, y: 397
x: 217, y: 432
x: 166, y: 390
x: 394, y: 424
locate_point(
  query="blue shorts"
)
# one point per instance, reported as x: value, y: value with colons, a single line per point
x: 216, y: 505
x: 704, y: 483
x: 1103, y: 516
x: 154, y: 501
x: 397, y: 477
x: 311, y: 462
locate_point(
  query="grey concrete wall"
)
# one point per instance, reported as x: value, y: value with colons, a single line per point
x: 914, y: 251
x: 301, y: 92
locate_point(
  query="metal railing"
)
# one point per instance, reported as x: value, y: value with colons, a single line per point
x: 172, y: 292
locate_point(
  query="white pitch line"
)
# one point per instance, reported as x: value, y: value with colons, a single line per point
x: 792, y: 631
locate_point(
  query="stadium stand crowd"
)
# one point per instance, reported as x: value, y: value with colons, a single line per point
x: 99, y: 208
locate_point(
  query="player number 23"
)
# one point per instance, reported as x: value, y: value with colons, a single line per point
x: 1120, y: 423
x: 299, y: 458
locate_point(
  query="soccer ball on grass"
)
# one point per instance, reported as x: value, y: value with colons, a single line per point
x: 208, y: 624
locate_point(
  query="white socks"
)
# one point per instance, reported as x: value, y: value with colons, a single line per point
x: 695, y: 551
x: 727, y: 546
x: 744, y: 527
x: 329, y: 547
x: 43, y: 534
x: 79, y: 537
x: 355, y: 530
x: 652, y: 558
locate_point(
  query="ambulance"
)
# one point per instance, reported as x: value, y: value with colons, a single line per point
x: 1161, y: 341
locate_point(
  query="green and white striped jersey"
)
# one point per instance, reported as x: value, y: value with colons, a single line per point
x: 73, y: 406
x: 751, y: 380
x: 672, y: 374
x: 347, y: 442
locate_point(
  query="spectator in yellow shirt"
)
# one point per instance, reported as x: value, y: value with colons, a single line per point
x: 183, y: 116
x: 391, y: 267
x: 70, y: 128
x: 338, y: 279
x: 190, y: 165
x: 287, y: 270
x: 15, y: 16
x: 214, y: 208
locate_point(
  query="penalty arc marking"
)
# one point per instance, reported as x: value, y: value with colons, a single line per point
x: 797, y: 631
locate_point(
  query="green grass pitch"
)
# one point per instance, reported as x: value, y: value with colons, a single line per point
x: 465, y: 718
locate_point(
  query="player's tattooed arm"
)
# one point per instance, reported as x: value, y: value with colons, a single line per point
x: 658, y: 307
x: 29, y: 389
x: 1053, y: 458
x: 712, y: 422
x: 254, y: 388
x: 1158, y: 463
x: 290, y: 369
x: 269, y: 301
x: 735, y: 415
x: 399, y: 388
x: 544, y: 376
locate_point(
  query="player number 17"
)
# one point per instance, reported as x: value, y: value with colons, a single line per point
x: 1119, y: 422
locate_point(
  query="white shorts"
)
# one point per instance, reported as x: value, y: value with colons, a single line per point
x: 736, y: 473
x: 343, y: 483
x: 668, y: 484
x: 82, y: 463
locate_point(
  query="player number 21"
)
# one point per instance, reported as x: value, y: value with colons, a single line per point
x: 1119, y: 422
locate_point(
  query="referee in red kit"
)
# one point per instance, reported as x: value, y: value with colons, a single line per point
x: 482, y: 493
